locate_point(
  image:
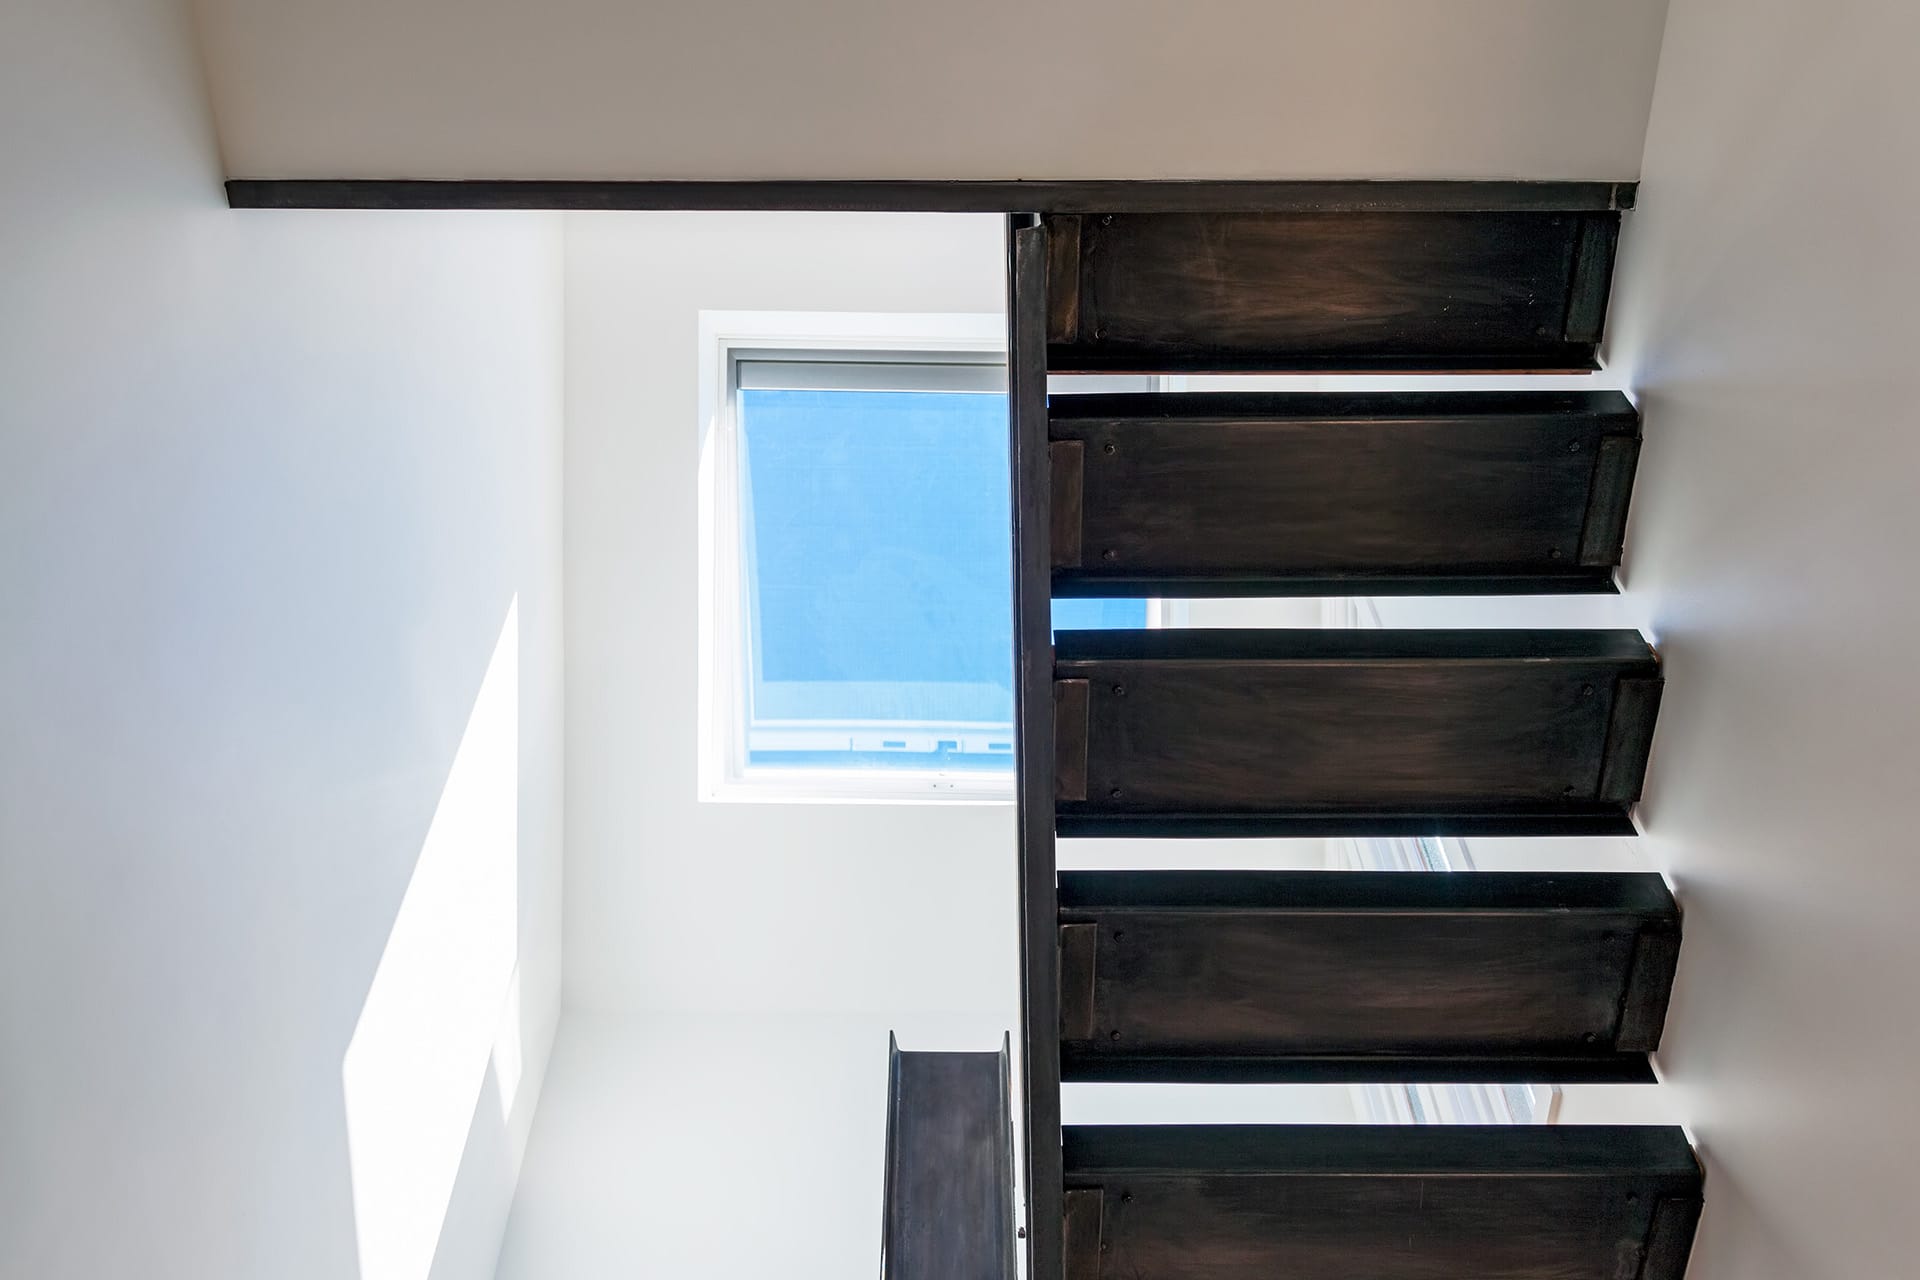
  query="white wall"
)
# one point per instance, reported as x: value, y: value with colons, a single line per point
x: 1766, y: 317
x: 270, y: 487
x: 1763, y: 316
x: 674, y: 904
x: 732, y: 969
x: 932, y: 89
x: 715, y: 1146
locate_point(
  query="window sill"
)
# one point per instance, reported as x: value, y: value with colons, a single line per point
x: 807, y: 787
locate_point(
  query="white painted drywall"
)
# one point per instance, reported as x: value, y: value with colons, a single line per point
x: 732, y: 969
x: 1764, y: 318
x: 1765, y: 315
x: 931, y: 89
x: 678, y: 905
x: 270, y: 488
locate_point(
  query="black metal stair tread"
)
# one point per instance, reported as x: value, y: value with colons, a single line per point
x: 1315, y: 644
x: 1549, y: 1150
x: 1394, y: 582
x: 1374, y: 820
x: 1359, y: 406
x: 1347, y: 891
x: 1295, y: 493
x: 1497, y: 290
x: 1373, y: 1202
x: 1380, y: 974
x: 1321, y: 732
x: 1080, y: 1067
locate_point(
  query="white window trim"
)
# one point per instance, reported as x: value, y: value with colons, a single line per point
x: 726, y: 337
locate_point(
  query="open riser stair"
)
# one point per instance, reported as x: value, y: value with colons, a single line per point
x: 1379, y: 290
x: 1409, y: 979
x: 1224, y: 493
x: 1307, y: 732
x: 1356, y: 1202
x: 1314, y: 975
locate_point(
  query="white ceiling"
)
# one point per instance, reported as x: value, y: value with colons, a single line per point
x: 931, y: 88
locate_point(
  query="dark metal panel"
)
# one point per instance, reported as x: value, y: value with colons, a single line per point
x: 1070, y: 739
x: 1231, y: 737
x: 1367, y: 965
x: 1623, y: 646
x: 1350, y: 1228
x: 1562, y: 358
x: 1236, y: 723
x: 1356, y: 290
x: 1033, y: 743
x: 1612, y: 407
x: 1592, y: 278
x: 1373, y: 732
x: 1063, y: 279
x: 1596, y: 581
x: 1068, y: 462
x: 1671, y: 1239
x: 1643, y: 1009
x: 948, y: 1201
x: 1604, y: 530
x: 926, y: 196
x: 1081, y: 1232
x: 1078, y: 943
x: 1643, y: 895
x: 1356, y: 1202
x: 1189, y: 491
x: 1095, y: 1152
x: 1594, y: 1068
x: 1486, y: 820
x: 1630, y: 737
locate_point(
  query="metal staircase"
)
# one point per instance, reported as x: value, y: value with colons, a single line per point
x: 1230, y: 976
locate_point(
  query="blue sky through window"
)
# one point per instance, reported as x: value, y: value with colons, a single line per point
x: 879, y: 579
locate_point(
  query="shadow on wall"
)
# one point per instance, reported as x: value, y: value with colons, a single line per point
x: 440, y: 1029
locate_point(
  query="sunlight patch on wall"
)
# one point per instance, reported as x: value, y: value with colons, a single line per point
x: 509, y: 1057
x: 418, y: 1057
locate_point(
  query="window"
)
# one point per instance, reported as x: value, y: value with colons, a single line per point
x: 856, y: 563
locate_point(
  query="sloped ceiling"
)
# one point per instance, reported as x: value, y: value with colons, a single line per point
x: 927, y: 89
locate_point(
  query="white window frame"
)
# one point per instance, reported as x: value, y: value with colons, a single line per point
x: 727, y: 337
